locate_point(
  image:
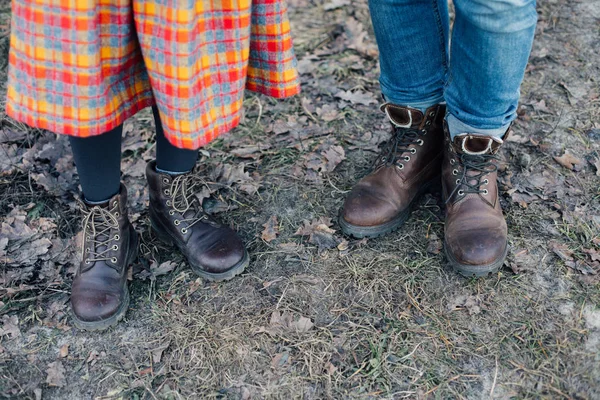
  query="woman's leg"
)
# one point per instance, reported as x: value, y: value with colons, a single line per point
x: 170, y: 159
x: 99, y: 295
x: 98, y: 161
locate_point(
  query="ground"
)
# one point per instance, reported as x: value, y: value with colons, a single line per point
x: 318, y: 315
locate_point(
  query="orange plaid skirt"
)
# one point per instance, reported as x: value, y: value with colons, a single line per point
x: 82, y: 67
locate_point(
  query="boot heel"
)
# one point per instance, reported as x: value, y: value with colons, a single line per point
x: 163, y: 237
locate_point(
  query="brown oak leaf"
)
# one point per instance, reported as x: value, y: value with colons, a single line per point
x: 271, y: 229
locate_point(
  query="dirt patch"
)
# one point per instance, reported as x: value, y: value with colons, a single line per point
x: 318, y: 315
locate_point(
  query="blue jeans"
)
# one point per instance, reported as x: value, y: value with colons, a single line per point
x: 491, y: 42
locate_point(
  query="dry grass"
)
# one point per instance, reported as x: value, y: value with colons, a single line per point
x: 390, y: 319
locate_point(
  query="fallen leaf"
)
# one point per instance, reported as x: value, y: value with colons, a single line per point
x: 162, y: 269
x: 435, y: 244
x: 593, y: 253
x: 271, y: 229
x: 287, y: 322
x: 319, y: 233
x: 280, y: 360
x: 158, y: 352
x: 303, y: 324
x: 64, y: 351
x: 356, y: 97
x: 330, y: 368
x: 334, y: 156
x: 569, y: 161
x: 562, y: 251
x: 328, y: 113
x: 596, y: 164
x: 10, y: 326
x: 56, y: 374
x: 332, y: 5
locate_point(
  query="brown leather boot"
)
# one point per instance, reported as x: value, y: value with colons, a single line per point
x: 99, y: 296
x: 475, y: 232
x: 408, y: 165
x: 214, y: 252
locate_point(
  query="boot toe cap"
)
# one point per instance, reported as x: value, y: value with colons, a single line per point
x: 363, y: 208
x: 226, y: 252
x: 94, y: 305
x: 477, y: 248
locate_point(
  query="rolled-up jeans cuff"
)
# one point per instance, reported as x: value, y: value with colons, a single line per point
x: 457, y: 127
x: 421, y: 105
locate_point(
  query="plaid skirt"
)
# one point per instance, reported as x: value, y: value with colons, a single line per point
x: 82, y: 67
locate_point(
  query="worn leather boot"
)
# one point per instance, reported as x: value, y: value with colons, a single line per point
x: 408, y: 165
x: 214, y: 252
x: 475, y: 237
x: 99, y: 296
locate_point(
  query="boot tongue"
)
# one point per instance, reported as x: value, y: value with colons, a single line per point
x: 97, y: 220
x: 403, y: 117
x: 476, y: 144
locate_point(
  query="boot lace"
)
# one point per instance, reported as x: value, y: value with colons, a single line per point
x: 98, y: 222
x: 399, y: 144
x: 481, y: 165
x: 183, y: 193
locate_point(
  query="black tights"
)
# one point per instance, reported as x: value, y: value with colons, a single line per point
x: 98, y: 160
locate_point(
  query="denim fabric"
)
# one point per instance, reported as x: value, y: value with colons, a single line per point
x: 491, y: 42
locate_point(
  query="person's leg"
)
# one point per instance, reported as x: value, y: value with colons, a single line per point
x: 491, y: 42
x: 412, y: 37
x: 170, y: 159
x: 98, y: 161
x: 99, y: 295
x: 214, y: 251
x: 490, y: 47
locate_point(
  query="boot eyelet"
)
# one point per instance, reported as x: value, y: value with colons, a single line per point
x: 420, y: 142
x: 431, y: 114
x: 165, y: 181
x: 452, y: 161
x: 167, y: 192
x: 87, y: 250
x: 87, y: 262
x: 485, y: 192
x: 117, y: 237
x: 383, y: 159
x: 461, y: 192
x: 168, y: 203
x: 114, y: 260
x: 184, y: 230
x: 117, y: 214
x: 115, y: 247
x: 458, y: 181
x: 176, y: 222
x: 427, y: 123
x: 400, y: 166
x: 454, y: 172
x: 407, y: 158
x: 171, y: 212
x: 413, y: 151
x: 486, y: 182
x: 115, y: 203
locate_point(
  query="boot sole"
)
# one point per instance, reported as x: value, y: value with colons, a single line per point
x: 376, y: 231
x: 198, y: 270
x: 475, y: 271
x: 120, y: 314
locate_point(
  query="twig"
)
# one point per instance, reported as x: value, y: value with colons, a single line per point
x: 494, y: 383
